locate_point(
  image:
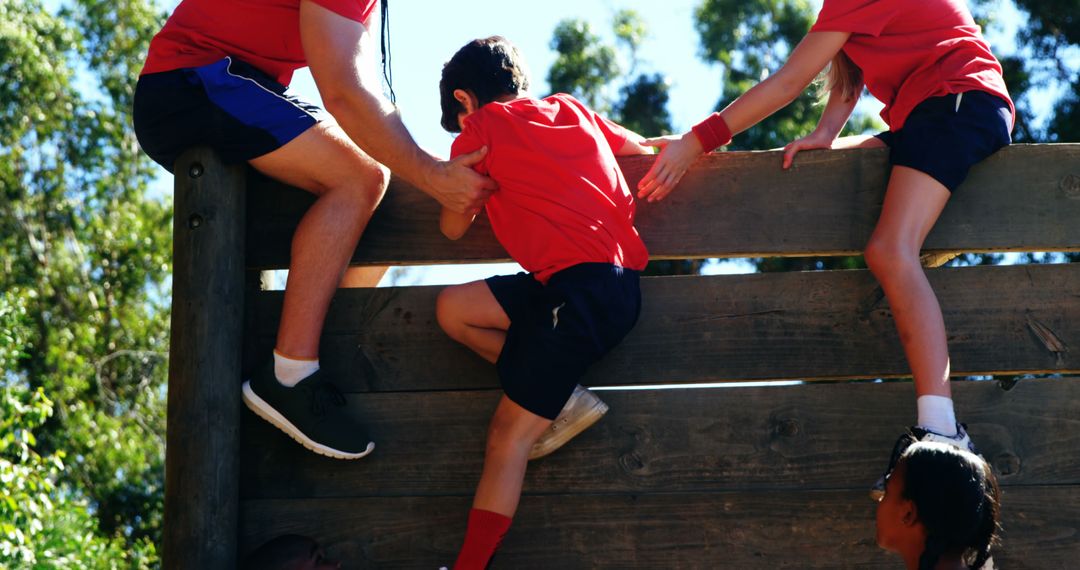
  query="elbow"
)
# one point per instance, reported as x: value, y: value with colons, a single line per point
x: 452, y: 234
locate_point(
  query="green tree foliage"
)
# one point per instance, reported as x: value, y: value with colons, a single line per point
x: 44, y: 522
x: 588, y: 67
x: 749, y: 40
x: 1052, y: 37
x: 86, y: 257
x: 584, y: 65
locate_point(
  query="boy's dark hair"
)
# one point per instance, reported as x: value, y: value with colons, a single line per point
x: 957, y: 499
x: 488, y: 68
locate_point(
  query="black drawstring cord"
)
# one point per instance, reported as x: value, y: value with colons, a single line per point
x: 387, y: 67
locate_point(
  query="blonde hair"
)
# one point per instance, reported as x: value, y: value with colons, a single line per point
x: 842, y: 76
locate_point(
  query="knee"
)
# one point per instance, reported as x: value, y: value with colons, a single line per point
x: 363, y: 186
x: 378, y: 179
x: 886, y: 256
x: 371, y: 183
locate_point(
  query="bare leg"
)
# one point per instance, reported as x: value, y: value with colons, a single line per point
x: 511, y: 435
x: 913, y: 203
x: 470, y: 315
x: 349, y: 185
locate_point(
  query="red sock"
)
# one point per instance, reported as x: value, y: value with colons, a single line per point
x: 483, y: 535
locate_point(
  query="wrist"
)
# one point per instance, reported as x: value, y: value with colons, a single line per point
x: 694, y: 141
x: 828, y: 132
x: 431, y: 172
x: 712, y: 133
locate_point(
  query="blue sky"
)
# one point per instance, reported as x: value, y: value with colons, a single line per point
x: 423, y: 39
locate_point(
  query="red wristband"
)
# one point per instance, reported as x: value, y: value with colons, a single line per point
x: 713, y: 132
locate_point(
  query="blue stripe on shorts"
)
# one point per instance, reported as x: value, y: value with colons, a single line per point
x: 229, y: 105
x: 253, y: 103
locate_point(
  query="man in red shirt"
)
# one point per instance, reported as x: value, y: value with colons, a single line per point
x: 564, y: 212
x: 217, y: 75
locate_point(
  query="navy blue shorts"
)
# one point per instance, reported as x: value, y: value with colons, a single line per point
x: 229, y: 105
x: 945, y: 136
x: 558, y: 330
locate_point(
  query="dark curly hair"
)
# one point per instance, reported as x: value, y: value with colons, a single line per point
x: 488, y: 68
x: 957, y: 498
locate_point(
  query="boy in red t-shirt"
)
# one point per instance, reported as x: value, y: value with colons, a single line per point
x: 947, y: 108
x: 564, y: 212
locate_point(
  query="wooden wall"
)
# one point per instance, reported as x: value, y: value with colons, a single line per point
x: 745, y: 476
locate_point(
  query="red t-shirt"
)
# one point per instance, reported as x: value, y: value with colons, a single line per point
x: 910, y: 51
x: 562, y: 199
x: 263, y: 33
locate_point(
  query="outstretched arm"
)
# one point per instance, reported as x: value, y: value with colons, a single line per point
x: 341, y: 54
x: 679, y: 151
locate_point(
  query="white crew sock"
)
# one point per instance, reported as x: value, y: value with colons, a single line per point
x: 936, y: 414
x: 290, y: 371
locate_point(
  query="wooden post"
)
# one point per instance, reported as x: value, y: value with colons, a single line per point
x: 201, y: 473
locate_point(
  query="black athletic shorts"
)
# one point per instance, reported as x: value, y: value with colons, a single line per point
x: 229, y: 105
x: 945, y: 136
x: 558, y: 330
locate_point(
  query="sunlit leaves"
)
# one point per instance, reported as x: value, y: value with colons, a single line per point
x: 588, y: 67
x: 86, y: 263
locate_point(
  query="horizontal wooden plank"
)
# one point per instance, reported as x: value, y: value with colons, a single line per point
x: 806, y: 325
x: 788, y: 529
x: 819, y: 436
x: 741, y: 204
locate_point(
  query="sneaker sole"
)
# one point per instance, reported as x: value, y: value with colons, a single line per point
x: 268, y: 413
x: 563, y: 437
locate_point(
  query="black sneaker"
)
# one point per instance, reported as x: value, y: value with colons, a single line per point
x: 312, y: 412
x: 961, y: 441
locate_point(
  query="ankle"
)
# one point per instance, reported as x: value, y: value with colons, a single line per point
x: 290, y: 371
x: 936, y: 414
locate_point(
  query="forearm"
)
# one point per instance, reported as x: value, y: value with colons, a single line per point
x: 760, y: 101
x: 376, y: 126
x: 808, y: 58
x: 340, y: 55
x: 836, y: 114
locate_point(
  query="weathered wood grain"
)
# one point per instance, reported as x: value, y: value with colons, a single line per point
x: 745, y: 477
x: 812, y: 436
x: 801, y: 325
x: 738, y: 531
x: 202, y: 438
x: 741, y: 204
